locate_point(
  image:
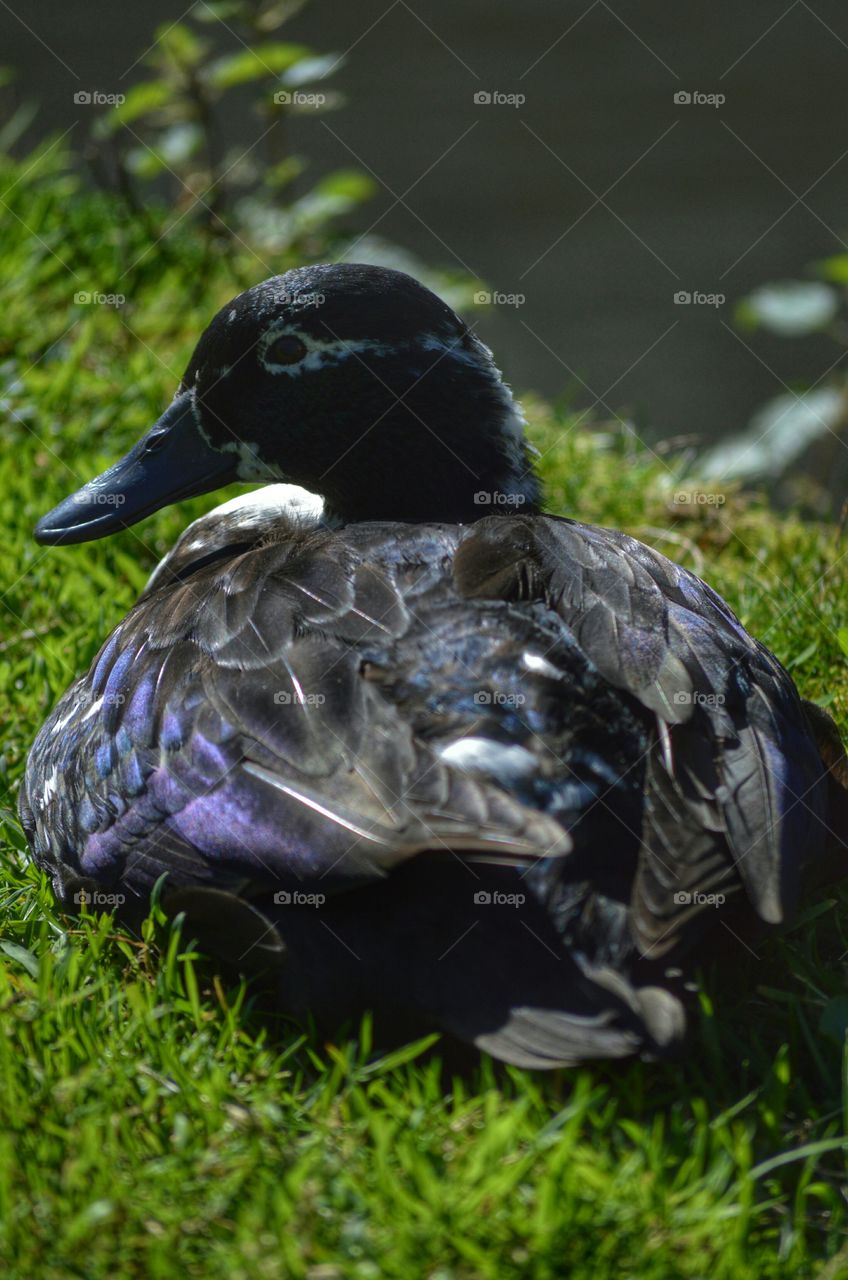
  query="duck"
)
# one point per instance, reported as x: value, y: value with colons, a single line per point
x: 387, y: 731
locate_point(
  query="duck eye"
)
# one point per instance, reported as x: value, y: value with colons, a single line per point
x: 287, y: 349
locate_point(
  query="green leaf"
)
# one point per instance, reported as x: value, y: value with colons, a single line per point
x: 398, y: 1057
x: 309, y: 69
x: 174, y: 147
x: 179, y: 45
x: 835, y: 268
x: 16, y: 125
x: 276, y: 14
x: 842, y: 637
x: 790, y: 308
x: 254, y: 64
x: 807, y: 1152
x: 145, y: 162
x: 800, y: 658
x: 140, y: 101
x: 346, y: 184
x: 280, y: 175
x: 23, y: 957
x: 778, y: 435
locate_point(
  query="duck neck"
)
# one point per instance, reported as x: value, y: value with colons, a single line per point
x: 446, y: 493
x: 418, y: 466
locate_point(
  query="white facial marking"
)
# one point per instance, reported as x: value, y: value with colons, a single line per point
x: 250, y: 466
x: 323, y: 352
x: 195, y: 411
x: 319, y: 351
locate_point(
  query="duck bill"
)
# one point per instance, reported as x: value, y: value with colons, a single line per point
x: 172, y: 461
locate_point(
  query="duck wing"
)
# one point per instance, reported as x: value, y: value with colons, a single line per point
x: 733, y: 768
x: 225, y: 734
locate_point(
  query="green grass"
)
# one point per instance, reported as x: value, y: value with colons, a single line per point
x: 152, y: 1122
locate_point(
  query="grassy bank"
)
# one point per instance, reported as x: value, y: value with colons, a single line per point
x: 151, y: 1123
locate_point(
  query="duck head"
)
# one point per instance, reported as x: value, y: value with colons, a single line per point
x: 352, y: 381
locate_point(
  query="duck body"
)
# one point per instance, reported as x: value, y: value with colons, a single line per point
x: 500, y: 775
x: 415, y: 785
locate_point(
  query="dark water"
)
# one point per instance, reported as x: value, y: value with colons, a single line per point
x: 598, y: 198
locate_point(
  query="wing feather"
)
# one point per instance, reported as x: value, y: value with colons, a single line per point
x: 660, y: 634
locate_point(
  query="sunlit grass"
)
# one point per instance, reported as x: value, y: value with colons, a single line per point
x: 152, y: 1122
